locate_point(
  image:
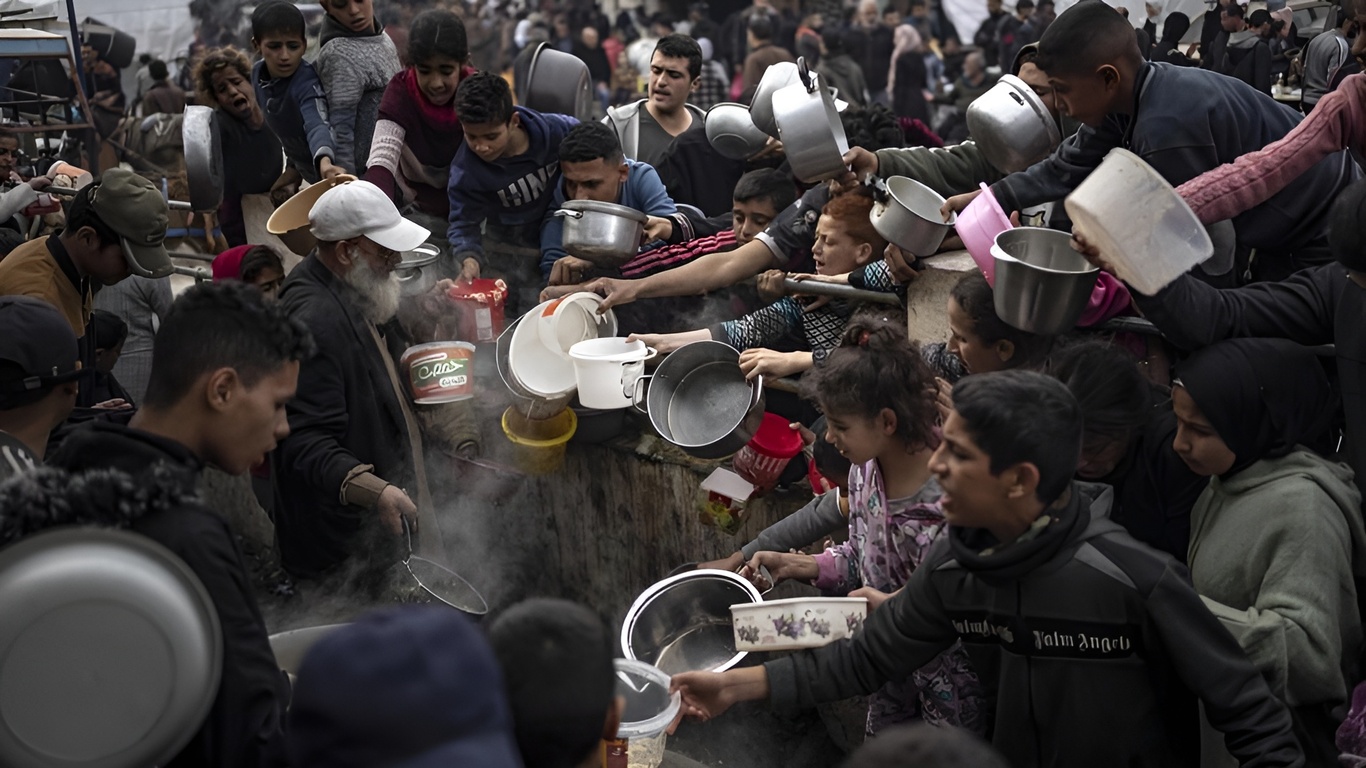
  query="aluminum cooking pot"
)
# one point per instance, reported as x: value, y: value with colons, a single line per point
x: 110, y: 651
x: 1042, y: 285
x: 699, y: 400
x: 732, y: 131
x: 203, y: 157
x: 907, y: 215
x: 683, y: 624
x: 606, y: 234
x: 810, y: 128
x: 558, y: 82
x: 775, y: 78
x: 418, y: 272
x: 1012, y: 126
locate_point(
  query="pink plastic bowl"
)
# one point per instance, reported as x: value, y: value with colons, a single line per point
x: 978, y: 225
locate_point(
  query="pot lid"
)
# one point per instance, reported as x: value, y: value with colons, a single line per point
x: 585, y: 206
x: 420, y: 256
x: 110, y: 651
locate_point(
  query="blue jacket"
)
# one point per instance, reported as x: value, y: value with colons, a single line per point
x: 1190, y: 121
x: 296, y: 111
x: 511, y: 190
x: 643, y: 191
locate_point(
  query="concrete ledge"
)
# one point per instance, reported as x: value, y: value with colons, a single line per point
x: 927, y: 298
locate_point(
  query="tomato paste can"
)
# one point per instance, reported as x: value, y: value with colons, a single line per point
x: 479, y: 308
x: 440, y: 371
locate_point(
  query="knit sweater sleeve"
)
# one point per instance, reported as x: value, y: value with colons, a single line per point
x: 344, y: 87
x: 1337, y: 122
x: 385, y: 150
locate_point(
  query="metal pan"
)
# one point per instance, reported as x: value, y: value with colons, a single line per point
x: 203, y: 157
x: 110, y: 651
x: 809, y: 127
x: 441, y: 582
x: 558, y: 82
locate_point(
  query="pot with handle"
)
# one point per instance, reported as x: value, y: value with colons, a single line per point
x: 699, y: 400
x: 606, y: 234
x: 607, y: 370
x: 810, y: 128
x: 906, y: 213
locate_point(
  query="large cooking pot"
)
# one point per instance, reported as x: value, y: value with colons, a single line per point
x: 1042, y: 284
x: 732, y: 131
x: 606, y: 234
x: 203, y: 157
x: 907, y: 215
x: 699, y: 400
x: 810, y: 128
x: 1012, y: 126
x: 110, y: 651
x: 417, y: 273
x: 776, y: 77
x: 683, y: 623
x: 558, y: 82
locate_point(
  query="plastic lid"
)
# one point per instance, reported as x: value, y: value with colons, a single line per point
x: 775, y: 437
x: 650, y: 707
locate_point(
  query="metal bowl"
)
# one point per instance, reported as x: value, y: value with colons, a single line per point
x: 606, y: 234
x: 1042, y: 285
x: 683, y: 623
x: 1012, y: 126
x: 418, y: 272
x: 909, y: 217
x: 775, y: 78
x: 732, y: 132
x: 558, y: 82
x: 291, y: 647
x: 110, y: 651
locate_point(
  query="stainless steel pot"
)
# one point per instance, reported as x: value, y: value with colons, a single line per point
x: 907, y: 215
x: 732, y: 131
x: 203, y: 157
x: 775, y: 78
x: 558, y: 82
x: 291, y: 647
x: 606, y: 234
x: 810, y: 128
x: 699, y: 400
x: 1012, y: 126
x: 418, y: 273
x: 682, y: 623
x: 1042, y: 285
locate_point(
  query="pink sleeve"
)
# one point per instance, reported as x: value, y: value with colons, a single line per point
x: 1337, y: 122
x: 833, y: 573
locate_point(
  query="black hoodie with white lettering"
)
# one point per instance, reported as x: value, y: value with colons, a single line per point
x: 1093, y: 647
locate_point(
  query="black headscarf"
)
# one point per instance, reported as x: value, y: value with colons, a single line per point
x: 1263, y: 396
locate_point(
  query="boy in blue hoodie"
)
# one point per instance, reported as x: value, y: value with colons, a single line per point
x: 506, y: 173
x: 593, y: 167
x: 288, y: 90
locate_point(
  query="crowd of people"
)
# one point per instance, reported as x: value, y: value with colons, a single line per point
x: 1098, y: 548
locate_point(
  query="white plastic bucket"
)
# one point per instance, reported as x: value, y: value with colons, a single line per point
x: 607, y: 370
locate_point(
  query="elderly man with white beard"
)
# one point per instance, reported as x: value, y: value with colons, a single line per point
x: 350, y: 474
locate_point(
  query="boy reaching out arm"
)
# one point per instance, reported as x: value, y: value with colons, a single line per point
x: 288, y: 90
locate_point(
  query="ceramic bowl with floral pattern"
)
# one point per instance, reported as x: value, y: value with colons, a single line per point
x: 799, y: 622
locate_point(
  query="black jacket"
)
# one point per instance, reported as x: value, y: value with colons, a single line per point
x: 344, y: 415
x: 1190, y: 121
x: 1314, y: 306
x: 245, y: 727
x: 1091, y: 646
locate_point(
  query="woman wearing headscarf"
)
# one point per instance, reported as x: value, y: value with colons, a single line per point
x: 906, y: 75
x: 1277, y: 537
x: 1168, y: 48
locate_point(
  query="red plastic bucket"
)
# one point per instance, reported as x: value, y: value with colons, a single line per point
x: 763, y: 458
x: 479, y: 308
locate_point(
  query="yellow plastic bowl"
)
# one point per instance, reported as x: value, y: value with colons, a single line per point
x: 538, y: 444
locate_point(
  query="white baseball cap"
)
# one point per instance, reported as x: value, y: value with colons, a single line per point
x: 361, y: 208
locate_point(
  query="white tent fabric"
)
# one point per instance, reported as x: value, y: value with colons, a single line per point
x: 162, y: 28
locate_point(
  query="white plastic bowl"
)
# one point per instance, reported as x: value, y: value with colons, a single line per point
x: 1141, y: 226
x: 799, y: 622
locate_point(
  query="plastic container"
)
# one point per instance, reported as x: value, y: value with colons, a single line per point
x: 479, y: 308
x: 795, y: 623
x: 1140, y: 224
x: 978, y: 226
x: 439, y: 371
x: 650, y: 708
x: 607, y: 370
x: 538, y: 444
x: 764, y: 457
